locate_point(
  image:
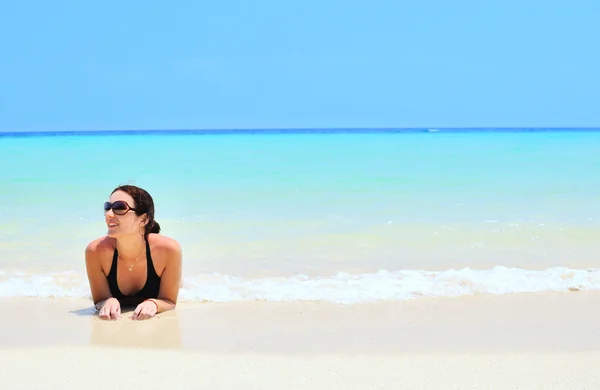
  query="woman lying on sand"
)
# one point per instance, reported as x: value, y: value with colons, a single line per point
x: 116, y: 276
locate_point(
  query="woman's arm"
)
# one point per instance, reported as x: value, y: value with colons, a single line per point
x: 170, y: 279
x: 96, y: 278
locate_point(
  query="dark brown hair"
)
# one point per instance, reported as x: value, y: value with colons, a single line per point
x: 144, y: 204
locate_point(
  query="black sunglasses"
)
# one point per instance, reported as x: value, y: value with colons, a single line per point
x: 120, y: 207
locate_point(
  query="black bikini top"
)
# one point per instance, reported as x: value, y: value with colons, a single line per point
x: 150, y: 289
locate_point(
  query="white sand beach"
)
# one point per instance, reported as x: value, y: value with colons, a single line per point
x: 529, y: 341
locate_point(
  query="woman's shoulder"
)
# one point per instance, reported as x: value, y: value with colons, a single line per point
x: 162, y: 243
x: 100, y: 245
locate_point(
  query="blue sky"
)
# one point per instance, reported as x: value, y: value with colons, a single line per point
x: 77, y: 65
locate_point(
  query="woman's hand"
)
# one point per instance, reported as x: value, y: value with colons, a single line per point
x: 144, y: 310
x: 110, y: 310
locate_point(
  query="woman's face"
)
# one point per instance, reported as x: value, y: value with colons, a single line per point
x: 120, y: 219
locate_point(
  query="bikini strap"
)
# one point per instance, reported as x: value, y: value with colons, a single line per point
x: 113, y: 267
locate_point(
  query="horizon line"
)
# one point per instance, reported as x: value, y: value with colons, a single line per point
x: 338, y: 130
x: 310, y: 128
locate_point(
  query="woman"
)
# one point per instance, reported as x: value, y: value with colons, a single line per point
x: 117, y: 272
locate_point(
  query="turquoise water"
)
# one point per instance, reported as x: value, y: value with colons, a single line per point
x: 268, y: 208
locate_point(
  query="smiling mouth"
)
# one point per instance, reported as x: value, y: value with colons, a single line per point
x: 112, y: 225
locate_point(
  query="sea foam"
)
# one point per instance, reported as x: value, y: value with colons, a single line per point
x: 342, y: 288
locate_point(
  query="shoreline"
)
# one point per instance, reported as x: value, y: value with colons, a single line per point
x: 512, y: 323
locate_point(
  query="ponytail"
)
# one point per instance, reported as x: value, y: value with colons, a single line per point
x: 154, y: 228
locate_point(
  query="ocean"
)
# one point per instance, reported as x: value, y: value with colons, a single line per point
x: 341, y: 216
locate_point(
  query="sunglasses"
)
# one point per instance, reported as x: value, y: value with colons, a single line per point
x: 120, y: 207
